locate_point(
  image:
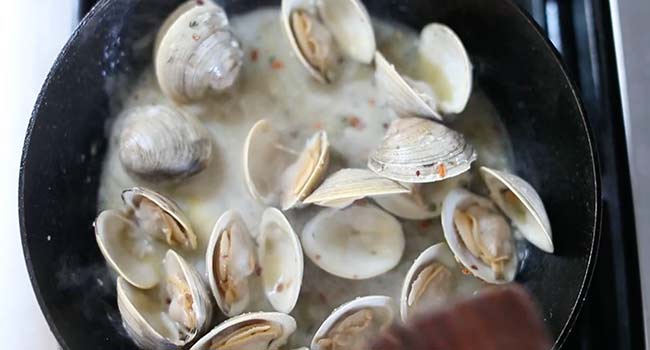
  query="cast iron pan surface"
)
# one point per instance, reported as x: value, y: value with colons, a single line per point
x: 66, y: 141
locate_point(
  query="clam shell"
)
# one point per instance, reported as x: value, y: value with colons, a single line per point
x: 307, y: 172
x: 196, y: 52
x: 160, y: 143
x: 131, y: 196
x: 404, y: 95
x: 280, y: 257
x: 357, y: 242
x: 381, y: 306
x: 460, y: 198
x: 287, y: 323
x: 445, y: 67
x: 532, y: 220
x: 439, y: 253
x: 347, y: 185
x: 142, y: 315
x: 416, y: 150
x: 240, y: 238
x: 346, y: 20
x: 113, y: 241
x: 407, y: 206
x: 265, y: 162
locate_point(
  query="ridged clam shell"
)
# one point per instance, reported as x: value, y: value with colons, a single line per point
x: 417, y: 150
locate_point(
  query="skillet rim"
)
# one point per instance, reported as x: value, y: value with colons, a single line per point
x: 597, y: 223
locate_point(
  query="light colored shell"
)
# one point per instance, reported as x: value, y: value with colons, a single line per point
x: 357, y: 242
x: 145, y: 318
x: 423, y: 201
x: 460, y: 199
x: 438, y: 253
x: 347, y: 185
x: 380, y: 306
x: 417, y: 150
x: 160, y: 143
x: 525, y: 209
x: 404, y: 95
x: 286, y: 322
x: 445, y: 66
x: 348, y: 23
x: 196, y: 52
x: 265, y: 161
x: 306, y: 173
x: 132, y: 252
x: 241, y: 261
x: 280, y: 257
x: 112, y: 232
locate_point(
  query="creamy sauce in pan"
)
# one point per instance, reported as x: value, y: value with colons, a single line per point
x: 274, y: 86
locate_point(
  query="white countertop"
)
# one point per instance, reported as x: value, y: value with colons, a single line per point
x: 34, y: 31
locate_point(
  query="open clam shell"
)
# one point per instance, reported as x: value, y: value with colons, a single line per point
x: 429, y: 282
x: 461, y: 200
x: 523, y: 206
x: 417, y: 150
x: 265, y: 161
x: 404, y: 95
x: 445, y: 66
x: 160, y: 143
x: 151, y: 322
x: 274, y: 174
x: 423, y: 201
x: 347, y: 185
x: 280, y: 258
x: 252, y: 331
x: 356, y: 322
x: 318, y: 30
x: 357, y: 242
x: 307, y: 172
x: 230, y: 262
x: 133, y: 241
x: 196, y: 52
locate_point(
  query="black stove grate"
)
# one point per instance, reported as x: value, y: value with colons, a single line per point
x: 611, y: 317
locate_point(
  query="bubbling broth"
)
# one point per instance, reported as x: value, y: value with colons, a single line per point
x: 273, y: 85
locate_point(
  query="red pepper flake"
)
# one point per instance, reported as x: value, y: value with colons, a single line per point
x: 417, y: 173
x: 277, y: 64
x: 254, y: 55
x: 258, y: 270
x: 465, y: 271
x: 279, y: 287
x: 372, y: 102
x: 425, y: 224
x: 322, y: 297
x: 474, y: 267
x: 361, y: 201
x: 385, y: 125
x: 354, y: 122
x: 318, y: 126
x: 442, y: 170
x: 196, y: 37
x: 199, y: 2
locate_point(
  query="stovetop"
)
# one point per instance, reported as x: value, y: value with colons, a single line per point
x: 581, y: 30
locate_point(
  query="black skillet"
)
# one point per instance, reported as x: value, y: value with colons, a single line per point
x: 66, y: 141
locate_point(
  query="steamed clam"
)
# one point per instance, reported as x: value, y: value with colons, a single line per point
x: 347, y: 185
x: 444, y: 76
x: 234, y: 259
x: 357, y: 242
x: 252, y: 331
x: 321, y: 31
x: 417, y: 150
x: 168, y: 317
x: 160, y: 143
x: 353, y: 325
x: 479, y: 236
x: 278, y: 176
x: 133, y: 240
x: 523, y: 206
x: 196, y: 52
x: 430, y: 282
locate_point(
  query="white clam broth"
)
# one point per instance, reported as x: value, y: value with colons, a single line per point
x: 396, y: 216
